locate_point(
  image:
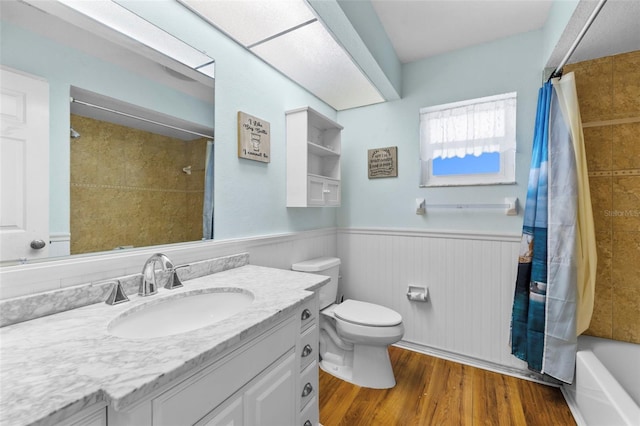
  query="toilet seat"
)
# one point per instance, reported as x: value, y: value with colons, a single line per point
x: 366, y: 314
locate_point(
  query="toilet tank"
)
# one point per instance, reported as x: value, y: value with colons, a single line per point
x: 323, y: 266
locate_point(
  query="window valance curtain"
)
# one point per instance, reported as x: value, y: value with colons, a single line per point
x: 474, y: 127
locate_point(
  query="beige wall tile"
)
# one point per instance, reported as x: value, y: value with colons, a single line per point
x: 84, y: 162
x: 144, y: 202
x: 626, y: 315
x: 626, y: 146
x: 626, y: 203
x: 196, y: 152
x: 194, y: 218
x: 609, y: 88
x: 111, y: 153
x: 595, y: 88
x: 598, y: 146
x: 625, y: 265
x: 601, y: 201
x: 95, y: 225
x: 626, y: 85
x: 602, y: 319
x: 604, y: 246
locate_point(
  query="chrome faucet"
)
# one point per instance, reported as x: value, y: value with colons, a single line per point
x: 148, y: 285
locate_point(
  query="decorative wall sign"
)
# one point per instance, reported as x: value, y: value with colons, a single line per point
x: 383, y: 162
x: 254, y: 138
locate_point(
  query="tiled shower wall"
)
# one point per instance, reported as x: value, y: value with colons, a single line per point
x: 128, y: 187
x: 609, y: 97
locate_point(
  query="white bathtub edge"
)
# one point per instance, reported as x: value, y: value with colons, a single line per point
x: 625, y: 406
x: 593, y: 376
x: 570, y: 399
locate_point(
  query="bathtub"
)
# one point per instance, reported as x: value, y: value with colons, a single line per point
x: 606, y: 388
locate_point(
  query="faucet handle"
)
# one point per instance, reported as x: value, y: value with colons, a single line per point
x: 174, y: 280
x: 117, y: 294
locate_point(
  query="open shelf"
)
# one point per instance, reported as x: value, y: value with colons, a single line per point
x: 321, y: 151
x: 313, y: 159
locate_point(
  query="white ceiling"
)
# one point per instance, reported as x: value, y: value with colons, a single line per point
x: 615, y: 30
x: 419, y: 29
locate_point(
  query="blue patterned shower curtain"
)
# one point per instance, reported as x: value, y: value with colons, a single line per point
x: 553, y: 298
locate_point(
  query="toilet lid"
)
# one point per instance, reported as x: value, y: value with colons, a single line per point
x: 369, y: 314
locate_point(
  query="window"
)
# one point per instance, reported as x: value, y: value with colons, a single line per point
x: 469, y: 143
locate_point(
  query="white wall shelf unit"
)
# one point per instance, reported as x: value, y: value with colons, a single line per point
x: 313, y: 159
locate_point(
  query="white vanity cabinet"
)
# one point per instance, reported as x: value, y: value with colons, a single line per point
x: 266, y: 400
x: 307, y: 364
x: 262, y: 382
x: 313, y: 159
x: 94, y: 415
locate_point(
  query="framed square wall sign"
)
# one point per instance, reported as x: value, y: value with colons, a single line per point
x: 383, y: 162
x: 254, y: 138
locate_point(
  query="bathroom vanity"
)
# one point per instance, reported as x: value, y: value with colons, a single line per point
x: 258, y: 366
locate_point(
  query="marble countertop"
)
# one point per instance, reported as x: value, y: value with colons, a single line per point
x: 54, y: 366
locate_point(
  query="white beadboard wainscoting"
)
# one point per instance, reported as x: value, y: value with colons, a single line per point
x: 277, y: 251
x: 471, y: 280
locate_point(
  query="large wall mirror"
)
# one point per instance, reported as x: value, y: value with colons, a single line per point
x: 130, y: 134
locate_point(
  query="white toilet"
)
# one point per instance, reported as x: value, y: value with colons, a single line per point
x: 353, y: 335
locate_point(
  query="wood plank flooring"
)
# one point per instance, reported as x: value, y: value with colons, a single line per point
x: 433, y: 391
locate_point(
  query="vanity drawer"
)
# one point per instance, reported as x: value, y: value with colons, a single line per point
x: 308, y: 384
x: 310, y: 415
x: 308, y: 313
x: 95, y: 415
x: 308, y: 350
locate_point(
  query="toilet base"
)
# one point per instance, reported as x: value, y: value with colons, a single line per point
x: 343, y: 372
x: 373, y: 368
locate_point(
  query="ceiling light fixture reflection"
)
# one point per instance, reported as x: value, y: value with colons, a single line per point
x: 133, y: 26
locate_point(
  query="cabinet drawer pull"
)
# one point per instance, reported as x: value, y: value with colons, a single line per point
x: 306, y: 351
x: 307, y: 423
x: 307, y: 389
x: 306, y: 314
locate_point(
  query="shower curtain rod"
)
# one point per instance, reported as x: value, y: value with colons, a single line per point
x: 558, y: 71
x: 140, y: 118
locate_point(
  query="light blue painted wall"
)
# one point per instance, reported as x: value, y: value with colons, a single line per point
x: 559, y: 16
x: 250, y: 196
x: 511, y: 64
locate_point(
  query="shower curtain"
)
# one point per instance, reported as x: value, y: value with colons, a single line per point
x: 207, y: 209
x: 553, y: 299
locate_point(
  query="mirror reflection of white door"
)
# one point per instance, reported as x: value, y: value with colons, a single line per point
x: 24, y: 166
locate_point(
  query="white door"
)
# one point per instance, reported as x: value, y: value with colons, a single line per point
x: 24, y: 166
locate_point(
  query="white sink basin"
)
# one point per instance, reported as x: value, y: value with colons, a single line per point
x: 180, y: 313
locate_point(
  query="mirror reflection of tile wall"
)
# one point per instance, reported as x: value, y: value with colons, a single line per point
x: 128, y: 187
x: 609, y: 97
